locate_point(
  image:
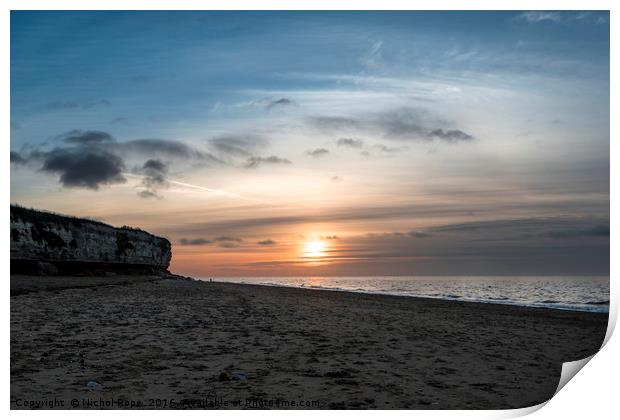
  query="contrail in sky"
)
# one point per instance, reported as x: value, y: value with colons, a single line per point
x: 212, y: 191
x: 198, y: 187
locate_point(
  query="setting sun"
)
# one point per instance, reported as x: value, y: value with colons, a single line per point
x: 314, y: 249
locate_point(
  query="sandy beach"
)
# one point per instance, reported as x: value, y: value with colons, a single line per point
x: 153, y: 342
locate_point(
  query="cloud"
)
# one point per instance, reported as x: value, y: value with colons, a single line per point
x: 266, y: 242
x: 317, y: 152
x: 92, y: 158
x: 82, y: 167
x: 330, y: 237
x: 237, y: 145
x: 79, y: 137
x: 148, y: 194
x: 416, y: 234
x: 388, y: 149
x: 222, y: 241
x: 102, y: 140
x: 195, y: 241
x: 538, y: 16
x: 282, y: 102
x: 601, y: 230
x: 401, y: 123
x: 405, y: 123
x: 555, y: 228
x: 161, y: 147
x: 155, y: 173
x: 228, y: 245
x: 255, y: 161
x: 228, y: 239
x: 334, y: 123
x: 355, y: 144
x: 450, y: 136
x: 17, y: 159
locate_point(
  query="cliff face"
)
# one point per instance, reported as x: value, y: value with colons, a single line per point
x: 46, y: 237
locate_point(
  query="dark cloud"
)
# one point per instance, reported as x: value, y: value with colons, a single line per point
x: 266, y: 242
x: 450, y: 136
x: 93, y: 158
x: 282, y: 102
x: 554, y: 228
x: 330, y: 237
x: 317, y: 152
x: 148, y: 194
x: 79, y: 137
x: 155, y: 165
x: 222, y: 241
x: 256, y: 161
x: 17, y: 159
x: 416, y: 234
x: 102, y: 140
x: 195, y: 241
x: 85, y: 104
x: 82, y: 167
x: 228, y: 239
x: 353, y: 143
x: 155, y: 173
x: 598, y: 230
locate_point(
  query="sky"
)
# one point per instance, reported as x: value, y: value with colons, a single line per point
x: 323, y: 143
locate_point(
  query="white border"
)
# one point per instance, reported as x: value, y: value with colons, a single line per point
x: 591, y: 395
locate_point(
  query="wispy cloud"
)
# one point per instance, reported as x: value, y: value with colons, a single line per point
x: 281, y: 103
x: 353, y: 143
x: 403, y: 123
x: 195, y: 241
x: 317, y: 152
x: 256, y: 161
x: 538, y: 16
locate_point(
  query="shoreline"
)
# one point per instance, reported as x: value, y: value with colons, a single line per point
x: 380, y: 293
x: 78, y: 282
x: 182, y: 339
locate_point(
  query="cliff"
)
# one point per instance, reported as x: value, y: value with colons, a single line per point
x: 52, y: 243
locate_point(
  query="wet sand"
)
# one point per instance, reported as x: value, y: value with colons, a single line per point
x: 117, y: 342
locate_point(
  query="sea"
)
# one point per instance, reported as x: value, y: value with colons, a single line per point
x: 574, y: 293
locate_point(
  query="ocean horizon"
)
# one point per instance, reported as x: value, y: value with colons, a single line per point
x: 574, y: 293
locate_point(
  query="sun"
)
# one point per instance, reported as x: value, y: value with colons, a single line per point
x: 314, y: 249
